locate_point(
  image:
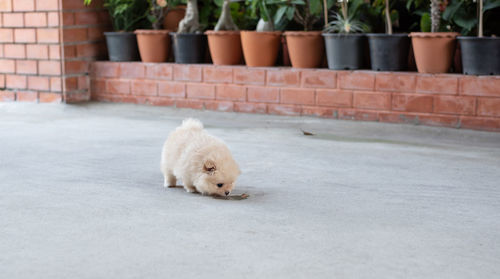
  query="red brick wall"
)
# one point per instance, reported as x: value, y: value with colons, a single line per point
x: 30, y: 52
x: 436, y: 100
x: 45, y: 48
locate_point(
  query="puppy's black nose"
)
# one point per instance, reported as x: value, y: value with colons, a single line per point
x: 227, y: 193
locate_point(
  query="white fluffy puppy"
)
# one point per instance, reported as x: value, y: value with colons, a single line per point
x: 203, y: 162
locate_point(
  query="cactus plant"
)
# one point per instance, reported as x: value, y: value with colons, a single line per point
x: 435, y: 16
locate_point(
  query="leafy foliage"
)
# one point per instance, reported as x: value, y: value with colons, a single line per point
x: 126, y: 15
x: 304, y: 12
x: 406, y: 15
x: 419, y: 11
x: 461, y: 14
x: 207, y: 10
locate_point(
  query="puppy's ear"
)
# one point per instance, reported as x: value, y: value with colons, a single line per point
x: 209, y: 167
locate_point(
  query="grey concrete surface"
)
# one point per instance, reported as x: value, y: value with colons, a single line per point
x: 81, y: 196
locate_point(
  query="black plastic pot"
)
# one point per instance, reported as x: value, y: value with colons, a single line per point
x: 189, y: 48
x: 122, y: 46
x: 480, y: 56
x: 389, y: 52
x: 345, y: 51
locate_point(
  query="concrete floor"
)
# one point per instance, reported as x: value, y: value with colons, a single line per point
x: 81, y: 196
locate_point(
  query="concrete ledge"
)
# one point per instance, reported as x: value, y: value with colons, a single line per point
x: 448, y: 100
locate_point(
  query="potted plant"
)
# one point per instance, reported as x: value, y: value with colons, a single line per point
x: 306, y: 48
x: 154, y: 45
x: 345, y: 46
x: 260, y: 47
x: 224, y: 41
x: 189, y: 41
x: 434, y: 50
x: 126, y: 16
x: 388, y: 52
x: 480, y: 55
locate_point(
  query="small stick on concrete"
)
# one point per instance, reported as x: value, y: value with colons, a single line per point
x: 231, y: 197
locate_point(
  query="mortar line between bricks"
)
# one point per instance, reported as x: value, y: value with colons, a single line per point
x: 246, y: 93
x: 265, y: 77
x: 31, y: 75
x: 89, y: 9
x: 84, y: 43
x: 80, y: 26
x: 476, y: 106
x: 352, y: 99
x: 390, y: 100
x: 316, y: 103
x: 433, y: 103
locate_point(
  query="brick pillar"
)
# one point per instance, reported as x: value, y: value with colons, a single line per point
x: 46, y: 47
x: 83, y: 42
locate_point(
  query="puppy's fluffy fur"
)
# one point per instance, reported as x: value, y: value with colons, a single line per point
x: 203, y: 162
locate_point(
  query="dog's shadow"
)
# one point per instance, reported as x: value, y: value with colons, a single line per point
x: 231, y: 197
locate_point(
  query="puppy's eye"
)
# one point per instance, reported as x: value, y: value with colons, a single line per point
x: 220, y: 185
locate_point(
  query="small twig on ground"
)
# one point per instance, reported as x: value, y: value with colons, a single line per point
x: 231, y: 197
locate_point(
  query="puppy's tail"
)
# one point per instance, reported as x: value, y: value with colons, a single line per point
x: 192, y: 124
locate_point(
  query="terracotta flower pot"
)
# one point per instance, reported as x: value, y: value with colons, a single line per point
x: 173, y: 17
x: 306, y: 48
x: 225, y: 47
x: 433, y: 51
x: 154, y: 45
x: 260, y: 48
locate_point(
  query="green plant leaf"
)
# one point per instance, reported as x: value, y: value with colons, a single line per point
x: 465, y: 20
x: 394, y: 15
x: 451, y: 9
x: 265, y: 12
x: 219, y: 2
x: 151, y: 18
x: 253, y: 8
x: 284, y: 2
x: 491, y: 4
x: 354, y: 7
x: 278, y: 16
x: 316, y: 7
x: 289, y: 13
x: 408, y: 4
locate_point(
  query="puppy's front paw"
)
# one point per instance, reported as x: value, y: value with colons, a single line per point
x: 190, y: 189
